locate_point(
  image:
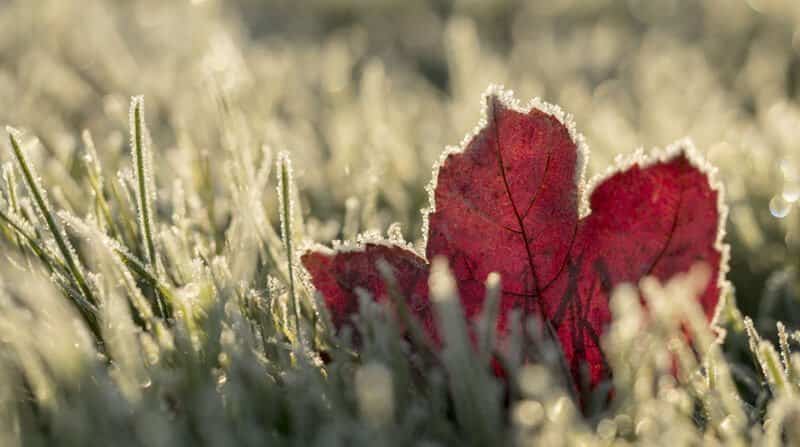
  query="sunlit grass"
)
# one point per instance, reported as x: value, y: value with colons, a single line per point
x: 150, y: 291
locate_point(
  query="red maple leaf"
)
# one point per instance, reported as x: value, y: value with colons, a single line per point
x: 512, y: 200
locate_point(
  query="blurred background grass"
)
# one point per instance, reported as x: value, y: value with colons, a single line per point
x: 366, y: 94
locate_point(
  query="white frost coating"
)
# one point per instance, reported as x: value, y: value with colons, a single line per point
x: 395, y: 233
x: 507, y: 99
x: 370, y: 237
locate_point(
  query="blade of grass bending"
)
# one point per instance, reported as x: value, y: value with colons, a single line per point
x: 61, y: 241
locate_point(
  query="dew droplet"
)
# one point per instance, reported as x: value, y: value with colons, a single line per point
x: 779, y: 207
x: 791, y: 191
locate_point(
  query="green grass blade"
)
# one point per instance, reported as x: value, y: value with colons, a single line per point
x: 285, y: 199
x: 40, y: 198
x: 145, y: 194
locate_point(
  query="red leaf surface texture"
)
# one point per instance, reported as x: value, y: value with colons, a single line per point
x: 512, y: 199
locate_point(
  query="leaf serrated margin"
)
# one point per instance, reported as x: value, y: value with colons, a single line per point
x: 507, y: 99
x: 681, y: 147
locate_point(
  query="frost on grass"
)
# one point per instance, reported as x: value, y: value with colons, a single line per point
x: 143, y: 167
x: 364, y: 126
x: 235, y: 360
